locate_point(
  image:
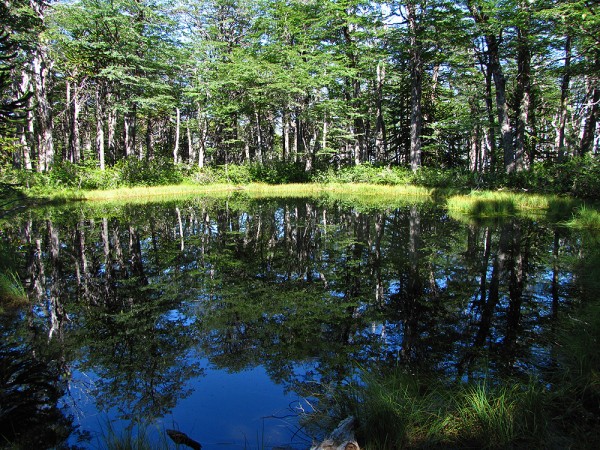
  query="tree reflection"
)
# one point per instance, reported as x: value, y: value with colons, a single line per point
x: 31, y: 386
x: 311, y: 291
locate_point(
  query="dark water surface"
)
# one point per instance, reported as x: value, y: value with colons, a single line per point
x: 225, y: 319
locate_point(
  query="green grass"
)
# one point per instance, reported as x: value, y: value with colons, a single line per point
x: 487, y: 204
x: 585, y: 218
x: 402, y: 410
x: 12, y: 292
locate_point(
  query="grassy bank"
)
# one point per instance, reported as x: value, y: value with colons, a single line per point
x: 554, y: 192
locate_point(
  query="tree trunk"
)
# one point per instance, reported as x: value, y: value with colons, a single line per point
x: 559, y: 146
x: 191, y: 150
x: 130, y: 131
x: 203, y: 128
x: 27, y: 128
x: 380, y: 136
x: 589, y: 129
x: 149, y: 138
x: 259, y: 137
x: 495, y: 68
x: 112, y: 127
x: 74, y: 134
x: 41, y: 65
x: 286, y: 134
x: 416, y: 88
x: 506, y: 133
x: 177, y: 129
x: 43, y: 111
x: 490, y: 132
x: 100, y: 126
x: 523, y: 100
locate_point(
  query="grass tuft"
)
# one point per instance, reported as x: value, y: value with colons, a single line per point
x: 585, y: 218
x: 12, y: 292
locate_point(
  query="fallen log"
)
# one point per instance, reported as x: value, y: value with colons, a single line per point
x: 342, y: 438
x: 183, y: 439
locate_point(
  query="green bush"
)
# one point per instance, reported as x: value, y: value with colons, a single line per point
x: 155, y: 172
x: 365, y: 173
x: 278, y: 172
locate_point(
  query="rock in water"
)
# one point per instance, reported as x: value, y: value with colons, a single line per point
x: 181, y: 438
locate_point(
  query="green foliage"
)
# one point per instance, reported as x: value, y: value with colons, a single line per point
x: 586, y: 218
x: 278, y: 172
x: 137, y: 172
x: 365, y: 173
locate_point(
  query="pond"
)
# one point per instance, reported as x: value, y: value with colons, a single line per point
x: 227, y: 319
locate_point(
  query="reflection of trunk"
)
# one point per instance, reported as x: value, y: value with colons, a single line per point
x: 82, y: 265
x: 488, y: 308
x: 414, y: 289
x: 376, y: 263
x: 35, y: 270
x: 55, y: 307
x: 180, y: 223
x: 135, y: 252
x: 108, y: 264
x: 555, y: 272
x: 516, y: 265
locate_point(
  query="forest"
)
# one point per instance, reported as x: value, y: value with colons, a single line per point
x: 481, y: 86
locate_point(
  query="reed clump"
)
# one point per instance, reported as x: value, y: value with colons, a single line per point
x: 12, y: 292
x: 585, y: 218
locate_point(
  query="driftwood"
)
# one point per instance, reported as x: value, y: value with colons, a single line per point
x: 342, y: 438
x: 183, y: 439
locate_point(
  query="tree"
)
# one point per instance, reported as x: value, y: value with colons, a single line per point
x: 18, y: 33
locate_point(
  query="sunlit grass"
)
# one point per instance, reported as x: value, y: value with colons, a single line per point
x: 159, y: 192
x: 359, y: 194
x: 401, y: 410
x: 486, y: 204
x: 585, y: 218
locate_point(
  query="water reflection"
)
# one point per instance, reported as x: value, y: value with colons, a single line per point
x: 140, y: 295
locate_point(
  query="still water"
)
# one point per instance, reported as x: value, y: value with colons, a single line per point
x: 228, y: 319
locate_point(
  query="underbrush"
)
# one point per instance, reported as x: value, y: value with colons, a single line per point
x: 579, y: 177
